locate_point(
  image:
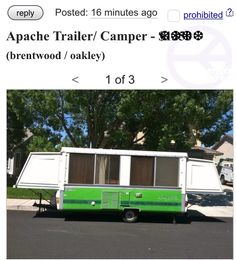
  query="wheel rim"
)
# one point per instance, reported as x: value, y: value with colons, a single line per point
x: 130, y: 216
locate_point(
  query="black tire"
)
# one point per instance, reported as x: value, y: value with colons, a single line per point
x: 222, y: 179
x: 130, y: 216
x: 187, y: 217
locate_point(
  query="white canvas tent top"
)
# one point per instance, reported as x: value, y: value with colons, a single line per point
x: 50, y: 170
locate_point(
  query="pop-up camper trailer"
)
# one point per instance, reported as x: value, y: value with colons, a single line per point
x: 120, y: 180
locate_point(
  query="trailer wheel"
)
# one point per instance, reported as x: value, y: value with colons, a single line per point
x: 130, y: 215
x: 222, y: 179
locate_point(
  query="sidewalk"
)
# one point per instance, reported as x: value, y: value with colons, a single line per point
x: 215, y: 211
x: 23, y: 204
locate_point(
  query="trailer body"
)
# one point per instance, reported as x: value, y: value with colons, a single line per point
x: 119, y: 180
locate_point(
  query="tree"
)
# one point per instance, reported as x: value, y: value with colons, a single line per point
x: 42, y: 143
x: 112, y: 118
x: 183, y: 116
x: 84, y: 117
x: 15, y: 120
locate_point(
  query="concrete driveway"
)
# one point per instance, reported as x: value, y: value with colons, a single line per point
x: 213, y: 205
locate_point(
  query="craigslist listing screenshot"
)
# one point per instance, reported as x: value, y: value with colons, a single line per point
x: 112, y: 112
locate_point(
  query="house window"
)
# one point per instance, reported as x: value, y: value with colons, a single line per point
x: 81, y: 168
x: 167, y: 170
x: 107, y: 169
x: 142, y: 171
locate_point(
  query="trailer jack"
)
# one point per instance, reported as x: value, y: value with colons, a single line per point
x: 42, y: 207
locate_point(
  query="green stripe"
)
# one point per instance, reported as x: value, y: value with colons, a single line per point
x: 151, y: 203
x: 125, y: 203
x: 81, y: 201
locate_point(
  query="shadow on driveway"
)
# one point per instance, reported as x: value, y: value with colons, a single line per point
x: 212, y: 200
x: 194, y: 216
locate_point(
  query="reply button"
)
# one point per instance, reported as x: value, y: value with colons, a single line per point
x: 25, y: 12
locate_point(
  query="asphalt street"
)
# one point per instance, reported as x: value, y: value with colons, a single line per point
x: 53, y: 235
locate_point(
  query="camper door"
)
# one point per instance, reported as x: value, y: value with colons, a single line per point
x: 202, y: 177
x: 41, y: 171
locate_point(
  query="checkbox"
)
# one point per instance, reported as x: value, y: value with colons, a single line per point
x: 173, y: 15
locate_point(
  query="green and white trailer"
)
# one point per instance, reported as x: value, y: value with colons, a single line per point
x: 125, y: 181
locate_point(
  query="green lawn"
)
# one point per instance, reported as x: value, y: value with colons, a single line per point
x: 13, y: 193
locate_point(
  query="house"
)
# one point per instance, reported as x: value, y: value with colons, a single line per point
x: 224, y: 146
x: 201, y: 152
x: 17, y: 156
x: 221, y: 151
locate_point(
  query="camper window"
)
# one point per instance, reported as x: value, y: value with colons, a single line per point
x: 107, y: 169
x: 81, y: 168
x: 167, y: 171
x: 142, y: 169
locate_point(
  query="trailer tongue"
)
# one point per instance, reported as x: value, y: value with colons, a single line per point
x: 120, y: 180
